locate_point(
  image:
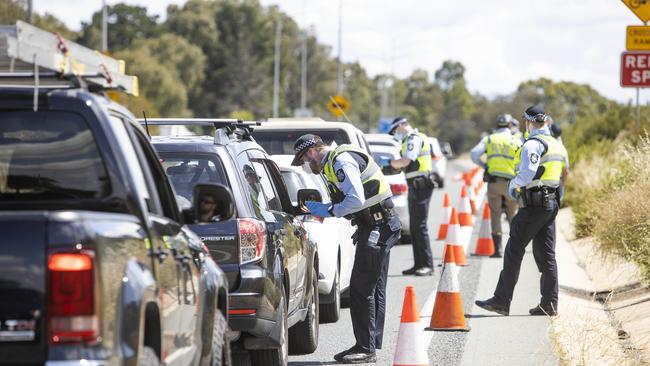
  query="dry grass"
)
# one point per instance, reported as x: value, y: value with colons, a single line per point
x: 583, y: 335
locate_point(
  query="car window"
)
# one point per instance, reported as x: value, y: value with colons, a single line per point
x: 185, y: 170
x: 293, y: 182
x: 280, y: 142
x: 49, y: 156
x: 272, y: 200
x: 363, y: 143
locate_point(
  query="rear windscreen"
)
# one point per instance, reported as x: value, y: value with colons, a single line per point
x: 187, y: 170
x: 47, y: 155
x: 281, y: 142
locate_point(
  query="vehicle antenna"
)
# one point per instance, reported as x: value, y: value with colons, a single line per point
x: 146, y: 125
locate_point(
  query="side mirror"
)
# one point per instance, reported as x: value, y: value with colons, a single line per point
x: 212, y: 196
x: 307, y: 195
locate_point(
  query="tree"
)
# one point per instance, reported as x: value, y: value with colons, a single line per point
x: 12, y: 10
x: 126, y: 23
x: 449, y: 73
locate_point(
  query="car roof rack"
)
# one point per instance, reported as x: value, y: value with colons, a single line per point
x: 225, y: 127
x: 26, y: 49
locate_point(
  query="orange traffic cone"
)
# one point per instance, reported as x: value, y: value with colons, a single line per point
x: 472, y: 199
x: 448, y: 314
x: 453, y: 240
x: 411, y: 349
x: 465, y: 209
x: 446, y: 214
x: 485, y: 244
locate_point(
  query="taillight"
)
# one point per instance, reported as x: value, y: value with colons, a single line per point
x: 312, y: 218
x: 435, y: 157
x: 252, y: 240
x: 399, y: 188
x: 71, y: 305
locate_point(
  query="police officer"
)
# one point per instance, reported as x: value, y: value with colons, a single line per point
x: 500, y: 148
x: 541, y: 164
x: 359, y: 192
x: 516, y: 132
x: 418, y: 168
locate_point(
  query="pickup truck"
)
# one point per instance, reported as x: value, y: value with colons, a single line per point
x: 97, y: 266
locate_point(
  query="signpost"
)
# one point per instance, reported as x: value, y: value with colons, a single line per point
x: 635, y: 72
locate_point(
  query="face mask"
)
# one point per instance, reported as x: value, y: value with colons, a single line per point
x: 306, y: 168
x: 398, y: 136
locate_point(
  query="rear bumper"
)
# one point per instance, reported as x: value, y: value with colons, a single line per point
x: 253, y: 307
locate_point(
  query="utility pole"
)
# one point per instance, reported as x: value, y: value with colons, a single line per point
x: 638, y: 112
x: 104, y: 27
x: 303, y: 75
x: 339, y: 68
x: 30, y: 11
x: 276, y: 69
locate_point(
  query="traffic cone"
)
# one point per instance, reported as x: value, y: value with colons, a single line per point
x: 453, y: 240
x: 411, y: 349
x: 448, y: 314
x: 446, y: 214
x: 472, y: 199
x: 485, y: 244
x: 465, y: 209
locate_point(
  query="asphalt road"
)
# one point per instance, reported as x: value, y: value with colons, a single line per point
x: 445, y: 348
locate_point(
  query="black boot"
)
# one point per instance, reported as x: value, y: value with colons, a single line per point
x: 496, y: 238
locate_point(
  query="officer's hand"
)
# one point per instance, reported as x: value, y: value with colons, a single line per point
x: 318, y: 208
x: 512, y: 192
x: 384, y: 161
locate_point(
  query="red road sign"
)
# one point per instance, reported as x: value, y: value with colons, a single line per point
x: 635, y: 69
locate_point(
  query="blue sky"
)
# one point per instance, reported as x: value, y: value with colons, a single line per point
x: 500, y: 42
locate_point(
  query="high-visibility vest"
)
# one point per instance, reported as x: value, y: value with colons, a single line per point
x: 375, y: 186
x: 551, y: 163
x: 422, y: 165
x: 501, y: 148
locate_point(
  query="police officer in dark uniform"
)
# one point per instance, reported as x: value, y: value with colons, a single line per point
x: 359, y: 192
x: 540, y: 166
x: 418, y: 168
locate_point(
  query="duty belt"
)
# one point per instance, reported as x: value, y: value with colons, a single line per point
x: 374, y: 215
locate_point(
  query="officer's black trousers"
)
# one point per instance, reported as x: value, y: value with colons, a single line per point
x: 536, y: 224
x: 368, y: 284
x: 418, y: 201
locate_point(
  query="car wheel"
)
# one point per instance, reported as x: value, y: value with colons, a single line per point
x: 148, y: 357
x: 303, y: 337
x: 278, y: 356
x: 220, y: 343
x: 329, y: 313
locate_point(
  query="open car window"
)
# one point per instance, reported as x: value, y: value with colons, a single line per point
x: 187, y: 170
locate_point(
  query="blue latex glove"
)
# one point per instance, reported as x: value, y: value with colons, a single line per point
x: 318, y: 208
x: 384, y: 161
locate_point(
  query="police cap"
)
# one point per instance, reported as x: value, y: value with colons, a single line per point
x: 303, y: 143
x: 396, y: 122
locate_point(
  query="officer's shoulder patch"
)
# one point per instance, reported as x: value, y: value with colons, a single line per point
x: 340, y: 175
x: 534, y: 157
x: 409, y: 146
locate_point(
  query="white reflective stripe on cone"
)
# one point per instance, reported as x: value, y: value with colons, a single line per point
x: 465, y: 236
x: 453, y: 234
x: 412, y: 347
x: 486, y: 230
x: 449, y: 279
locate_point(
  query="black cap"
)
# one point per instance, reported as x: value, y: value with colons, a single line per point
x: 556, y: 131
x: 531, y: 114
x: 396, y: 122
x: 503, y: 120
x: 303, y: 143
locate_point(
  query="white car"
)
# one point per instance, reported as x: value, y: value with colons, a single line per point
x: 278, y: 135
x: 332, y: 236
x: 382, y: 139
x: 398, y: 186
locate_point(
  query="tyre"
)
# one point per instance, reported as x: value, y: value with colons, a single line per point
x: 278, y: 356
x: 148, y: 357
x: 220, y: 343
x: 329, y: 313
x: 303, y: 337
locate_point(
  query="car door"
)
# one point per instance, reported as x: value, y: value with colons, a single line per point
x: 179, y: 278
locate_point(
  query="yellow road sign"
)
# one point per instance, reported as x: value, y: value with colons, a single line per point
x: 639, y: 7
x: 638, y: 38
x: 338, y: 105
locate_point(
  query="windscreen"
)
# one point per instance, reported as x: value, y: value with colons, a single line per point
x: 187, y: 170
x: 281, y: 142
x: 49, y: 156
